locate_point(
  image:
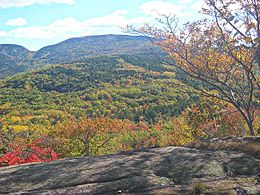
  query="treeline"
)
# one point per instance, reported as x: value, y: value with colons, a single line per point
x: 63, y: 135
x: 104, y: 105
x: 105, y: 86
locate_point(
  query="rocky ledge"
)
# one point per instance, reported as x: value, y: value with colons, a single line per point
x: 168, y: 170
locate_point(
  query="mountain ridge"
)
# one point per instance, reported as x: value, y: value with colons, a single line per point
x: 74, y: 38
x: 14, y: 59
x: 70, y: 50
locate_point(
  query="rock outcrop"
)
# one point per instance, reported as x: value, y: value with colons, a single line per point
x: 168, y: 170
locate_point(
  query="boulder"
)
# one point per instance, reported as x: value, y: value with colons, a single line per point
x: 166, y: 170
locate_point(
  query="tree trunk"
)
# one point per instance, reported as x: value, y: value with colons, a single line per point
x: 250, y: 126
x: 87, y: 151
x: 247, y: 117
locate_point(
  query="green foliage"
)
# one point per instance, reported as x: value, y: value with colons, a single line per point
x: 118, y: 87
x: 17, y: 59
x: 79, y: 49
x: 104, y: 86
x: 199, y: 188
x: 124, y: 85
x: 13, y: 59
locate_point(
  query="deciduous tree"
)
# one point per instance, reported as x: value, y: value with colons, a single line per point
x: 86, y: 130
x: 220, y: 52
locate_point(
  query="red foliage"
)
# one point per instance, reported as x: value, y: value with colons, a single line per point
x: 143, y: 126
x: 28, y: 153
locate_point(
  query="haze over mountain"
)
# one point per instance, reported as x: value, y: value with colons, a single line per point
x: 16, y: 59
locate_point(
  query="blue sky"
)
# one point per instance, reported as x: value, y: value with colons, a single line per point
x: 38, y: 23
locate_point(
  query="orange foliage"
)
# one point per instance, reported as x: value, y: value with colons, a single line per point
x: 220, y: 52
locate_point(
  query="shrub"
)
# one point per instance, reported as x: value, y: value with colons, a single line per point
x: 37, y: 151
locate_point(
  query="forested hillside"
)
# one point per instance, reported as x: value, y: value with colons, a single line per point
x: 14, y: 59
x: 78, y: 49
x: 17, y: 59
x: 99, y: 95
x: 174, y: 111
x: 114, y: 86
x: 121, y: 87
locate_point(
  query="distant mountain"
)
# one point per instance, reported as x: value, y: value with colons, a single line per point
x: 133, y: 87
x: 78, y: 49
x: 91, y: 72
x: 126, y: 79
x: 15, y: 59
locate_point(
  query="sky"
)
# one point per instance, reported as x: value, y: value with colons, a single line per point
x: 38, y: 23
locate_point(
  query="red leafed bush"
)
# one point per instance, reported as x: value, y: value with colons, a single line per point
x: 37, y: 151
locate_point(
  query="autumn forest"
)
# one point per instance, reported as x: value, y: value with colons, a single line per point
x: 172, y: 84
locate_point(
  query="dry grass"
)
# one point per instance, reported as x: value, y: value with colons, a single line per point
x: 248, y: 145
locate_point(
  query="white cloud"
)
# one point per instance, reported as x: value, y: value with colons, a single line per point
x: 69, y: 27
x: 32, y: 32
x: 16, y: 22
x: 117, y: 18
x: 24, y: 3
x: 158, y: 8
x: 198, y: 5
x: 121, y: 12
x: 4, y: 34
x: 58, y: 28
x: 185, y: 1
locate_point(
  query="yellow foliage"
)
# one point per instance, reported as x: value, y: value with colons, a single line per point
x: 14, y: 119
x: 182, y: 131
x: 19, y: 128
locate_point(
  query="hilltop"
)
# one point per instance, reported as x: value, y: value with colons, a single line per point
x: 78, y: 49
x: 16, y: 59
x: 166, y: 170
x: 114, y: 86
